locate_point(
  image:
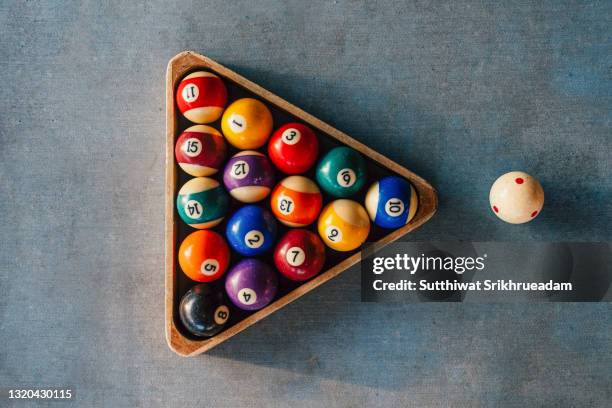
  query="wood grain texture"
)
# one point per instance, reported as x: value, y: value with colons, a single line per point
x: 177, y: 68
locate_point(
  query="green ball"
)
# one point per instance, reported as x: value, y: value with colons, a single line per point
x: 342, y: 172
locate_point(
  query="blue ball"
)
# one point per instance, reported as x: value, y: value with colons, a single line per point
x: 251, y: 230
x: 391, y: 202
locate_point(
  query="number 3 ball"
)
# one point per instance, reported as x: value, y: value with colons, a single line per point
x: 516, y: 197
x: 248, y: 176
x: 201, y: 97
x: 344, y: 225
x: 202, y: 202
x: 200, y: 150
x: 204, y: 311
x: 247, y: 123
x: 296, y: 201
x: 204, y: 256
x: 251, y: 230
x: 342, y: 172
x: 293, y: 148
x: 251, y: 284
x: 299, y: 255
x: 391, y: 202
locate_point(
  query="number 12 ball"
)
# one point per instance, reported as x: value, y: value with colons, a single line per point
x: 293, y: 148
x: 251, y: 284
x: 344, y: 225
x: 251, y: 230
x: 202, y: 202
x: 248, y: 176
x: 391, y: 202
x: 204, y: 311
x: 200, y: 150
x: 342, y: 172
x: 299, y: 255
x: 204, y: 256
x: 201, y: 97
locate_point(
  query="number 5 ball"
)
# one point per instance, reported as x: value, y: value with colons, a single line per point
x: 296, y: 201
x: 251, y: 230
x: 204, y: 256
x: 293, y: 148
x: 201, y: 97
x: 251, y: 284
x: 200, y: 150
x: 342, y: 172
x: 516, y: 197
x: 202, y: 202
x: 344, y: 225
x: 247, y: 123
x: 299, y: 255
x: 391, y: 202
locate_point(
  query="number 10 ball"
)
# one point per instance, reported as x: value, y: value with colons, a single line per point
x: 342, y: 172
x: 344, y: 225
x: 251, y: 230
x: 202, y: 202
x: 391, y: 202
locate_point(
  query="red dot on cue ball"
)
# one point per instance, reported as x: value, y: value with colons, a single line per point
x: 533, y: 214
x: 519, y: 180
x: 495, y: 209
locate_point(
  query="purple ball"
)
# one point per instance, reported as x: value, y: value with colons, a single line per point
x: 248, y: 176
x: 251, y: 284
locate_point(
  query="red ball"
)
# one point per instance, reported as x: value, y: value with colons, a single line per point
x: 299, y: 255
x: 293, y: 148
x: 200, y: 150
x: 201, y: 97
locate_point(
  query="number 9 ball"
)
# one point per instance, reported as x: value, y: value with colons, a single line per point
x: 344, y: 225
x: 293, y: 148
x: 299, y: 255
x: 203, y: 311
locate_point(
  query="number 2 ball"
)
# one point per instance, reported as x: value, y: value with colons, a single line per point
x: 204, y: 311
x: 293, y: 148
x: 251, y: 284
x: 299, y: 255
x: 344, y: 225
x: 391, y: 202
x: 296, y: 201
x: 202, y: 202
x: 204, y: 256
x: 201, y: 97
x: 248, y: 176
x: 342, y: 172
x: 516, y: 197
x: 247, y: 123
x: 251, y: 230
x: 200, y: 150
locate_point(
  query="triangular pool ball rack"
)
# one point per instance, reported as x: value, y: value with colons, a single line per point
x: 177, y: 283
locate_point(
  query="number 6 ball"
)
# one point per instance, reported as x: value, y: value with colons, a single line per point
x: 341, y: 172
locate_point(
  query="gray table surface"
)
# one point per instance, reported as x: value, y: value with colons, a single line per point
x: 459, y: 92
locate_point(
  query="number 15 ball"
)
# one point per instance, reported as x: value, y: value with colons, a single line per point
x: 391, y: 202
x: 342, y: 172
x: 201, y: 97
x: 344, y: 225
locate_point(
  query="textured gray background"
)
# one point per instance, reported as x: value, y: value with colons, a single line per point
x: 458, y: 92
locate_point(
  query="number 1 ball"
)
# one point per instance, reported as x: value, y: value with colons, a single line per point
x: 248, y: 176
x: 516, y: 197
x: 204, y: 256
x: 296, y: 201
x: 201, y: 97
x: 204, y: 311
x: 251, y: 230
x: 293, y: 148
x: 299, y: 255
x: 251, y: 284
x: 342, y: 172
x: 344, y: 225
x: 202, y: 202
x: 246, y: 124
x: 391, y: 202
x: 200, y: 150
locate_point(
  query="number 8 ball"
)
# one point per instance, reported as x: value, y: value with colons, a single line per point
x: 203, y: 311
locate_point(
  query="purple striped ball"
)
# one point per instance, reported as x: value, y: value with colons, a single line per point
x: 248, y: 176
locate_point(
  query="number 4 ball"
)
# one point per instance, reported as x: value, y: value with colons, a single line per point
x: 516, y: 197
x: 293, y: 148
x: 344, y: 225
x: 251, y: 284
x: 299, y: 255
x: 200, y: 150
x: 201, y: 97
x: 341, y: 172
x: 204, y: 256
x: 391, y: 202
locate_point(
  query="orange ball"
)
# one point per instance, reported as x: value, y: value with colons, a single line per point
x: 204, y: 256
x: 296, y: 201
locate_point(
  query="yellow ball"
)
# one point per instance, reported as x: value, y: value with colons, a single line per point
x: 247, y: 123
x: 344, y: 225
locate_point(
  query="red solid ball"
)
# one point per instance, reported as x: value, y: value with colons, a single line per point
x: 293, y: 148
x: 299, y: 255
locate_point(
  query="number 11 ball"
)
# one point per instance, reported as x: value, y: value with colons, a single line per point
x: 342, y: 172
x: 202, y: 202
x: 391, y: 202
x: 299, y: 255
x: 204, y: 256
x: 201, y: 97
x: 251, y: 284
x: 344, y: 225
x: 293, y: 148
x: 251, y: 230
x: 200, y: 150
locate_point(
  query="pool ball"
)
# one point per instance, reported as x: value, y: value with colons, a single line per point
x: 516, y: 197
x: 251, y: 230
x: 202, y: 202
x: 200, y: 150
x: 299, y: 255
x: 293, y: 148
x: 246, y: 123
x: 251, y: 284
x: 201, y: 97
x: 204, y: 311
x: 296, y: 201
x: 344, y: 225
x: 204, y: 256
x: 248, y: 176
x: 342, y: 172
x: 391, y: 202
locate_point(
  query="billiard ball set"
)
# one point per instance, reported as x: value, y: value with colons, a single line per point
x: 264, y: 203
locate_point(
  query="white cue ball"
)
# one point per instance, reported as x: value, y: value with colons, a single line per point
x: 516, y: 197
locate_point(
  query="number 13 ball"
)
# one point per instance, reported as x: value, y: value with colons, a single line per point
x: 293, y: 148
x: 296, y: 201
x: 342, y: 172
x: 200, y: 150
x: 247, y: 123
x: 201, y: 97
x: 391, y: 202
x: 202, y: 202
x: 251, y: 230
x: 204, y: 256
x: 344, y: 225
